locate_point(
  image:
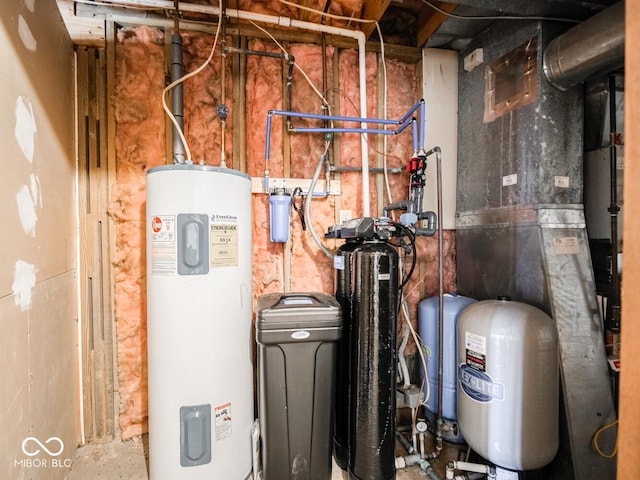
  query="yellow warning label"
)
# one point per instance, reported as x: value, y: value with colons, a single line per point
x: 224, y: 245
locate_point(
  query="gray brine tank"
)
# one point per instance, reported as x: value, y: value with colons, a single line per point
x: 508, y: 383
x: 297, y: 335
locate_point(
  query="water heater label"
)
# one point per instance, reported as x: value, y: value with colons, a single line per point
x: 223, y: 421
x: 479, y: 385
x: 224, y: 245
x: 163, y: 245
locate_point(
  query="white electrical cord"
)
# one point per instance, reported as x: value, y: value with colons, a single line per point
x: 402, y: 360
x: 496, y: 17
x: 384, y: 78
x: 307, y: 202
x: 419, y: 345
x: 298, y: 67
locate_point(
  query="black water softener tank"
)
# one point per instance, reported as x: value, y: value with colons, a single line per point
x: 343, y: 262
x: 369, y: 402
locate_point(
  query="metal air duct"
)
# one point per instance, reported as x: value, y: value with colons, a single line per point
x: 596, y: 46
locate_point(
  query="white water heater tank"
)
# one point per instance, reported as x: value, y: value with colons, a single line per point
x: 199, y: 314
x: 508, y: 383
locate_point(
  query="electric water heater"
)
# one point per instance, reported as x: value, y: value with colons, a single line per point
x: 199, y: 313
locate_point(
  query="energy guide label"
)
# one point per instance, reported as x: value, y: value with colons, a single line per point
x: 224, y: 245
x: 163, y: 245
x: 223, y: 421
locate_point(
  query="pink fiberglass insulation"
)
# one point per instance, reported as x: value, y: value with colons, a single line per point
x: 264, y: 91
x: 202, y: 97
x: 345, y: 8
x: 306, y: 148
x: 141, y: 144
x: 311, y: 269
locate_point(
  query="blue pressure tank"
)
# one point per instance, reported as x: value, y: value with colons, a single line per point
x: 429, y: 331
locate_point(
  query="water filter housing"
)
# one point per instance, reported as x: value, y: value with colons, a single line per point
x: 279, y: 215
x: 199, y: 314
x: 508, y: 383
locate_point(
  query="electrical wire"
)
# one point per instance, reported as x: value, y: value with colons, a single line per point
x: 404, y: 309
x: 307, y: 202
x: 403, y: 306
x: 614, y: 452
x: 496, y: 17
x: 420, y: 346
x: 132, y: 5
x: 180, y: 80
x: 296, y: 65
x: 412, y: 239
x: 327, y: 14
x: 384, y: 80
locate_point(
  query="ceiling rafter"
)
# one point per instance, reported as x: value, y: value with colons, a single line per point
x: 431, y: 19
x: 373, y: 10
x: 85, y: 19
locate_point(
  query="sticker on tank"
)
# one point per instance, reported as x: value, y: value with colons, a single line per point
x: 479, y: 385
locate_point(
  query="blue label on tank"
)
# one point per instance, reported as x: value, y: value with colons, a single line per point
x: 479, y: 385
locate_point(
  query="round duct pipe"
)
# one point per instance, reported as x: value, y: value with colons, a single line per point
x: 596, y: 46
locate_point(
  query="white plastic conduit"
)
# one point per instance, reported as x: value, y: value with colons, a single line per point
x: 284, y: 22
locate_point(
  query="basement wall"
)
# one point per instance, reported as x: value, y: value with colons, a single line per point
x: 298, y: 265
x: 37, y: 247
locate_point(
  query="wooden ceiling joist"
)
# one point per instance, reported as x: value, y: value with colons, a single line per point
x: 373, y: 10
x: 431, y: 19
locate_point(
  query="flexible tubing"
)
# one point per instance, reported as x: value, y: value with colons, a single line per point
x: 307, y: 205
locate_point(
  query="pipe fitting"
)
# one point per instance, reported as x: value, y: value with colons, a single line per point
x: 469, y: 467
x: 450, y: 471
x: 428, y: 469
x: 425, y: 466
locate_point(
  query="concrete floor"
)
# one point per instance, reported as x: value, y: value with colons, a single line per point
x: 111, y: 461
x: 129, y: 461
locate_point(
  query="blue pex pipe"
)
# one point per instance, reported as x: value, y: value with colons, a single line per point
x: 404, y: 122
x: 422, y: 117
x: 343, y: 130
x: 320, y: 116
